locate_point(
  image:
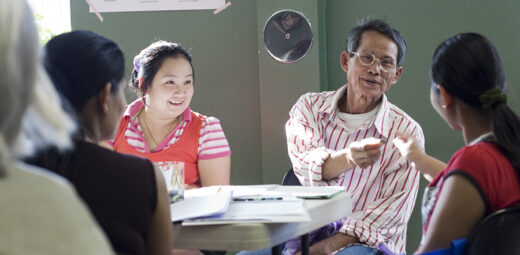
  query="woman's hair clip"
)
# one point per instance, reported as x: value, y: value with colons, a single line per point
x: 137, y: 65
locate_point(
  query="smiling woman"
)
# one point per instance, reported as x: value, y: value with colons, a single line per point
x: 160, y: 124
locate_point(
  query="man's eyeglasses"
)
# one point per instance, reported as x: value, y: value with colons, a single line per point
x: 367, y: 59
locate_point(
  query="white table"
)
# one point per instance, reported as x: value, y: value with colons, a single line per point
x: 255, y: 236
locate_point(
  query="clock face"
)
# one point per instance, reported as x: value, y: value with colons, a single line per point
x: 287, y: 36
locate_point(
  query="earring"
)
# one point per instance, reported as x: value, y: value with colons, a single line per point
x: 105, y: 108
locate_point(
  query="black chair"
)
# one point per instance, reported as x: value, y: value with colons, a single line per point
x: 498, y: 233
x: 290, y: 179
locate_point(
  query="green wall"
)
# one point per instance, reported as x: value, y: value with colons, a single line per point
x: 281, y: 85
x: 238, y: 82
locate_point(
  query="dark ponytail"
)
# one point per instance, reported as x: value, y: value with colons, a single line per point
x: 506, y: 124
x: 468, y: 66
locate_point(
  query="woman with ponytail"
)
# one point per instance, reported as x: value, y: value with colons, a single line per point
x: 468, y: 87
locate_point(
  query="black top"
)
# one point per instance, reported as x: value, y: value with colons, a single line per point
x: 119, y: 189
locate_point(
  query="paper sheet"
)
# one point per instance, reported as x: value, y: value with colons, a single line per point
x: 258, y: 212
x: 202, y: 206
x: 155, y: 5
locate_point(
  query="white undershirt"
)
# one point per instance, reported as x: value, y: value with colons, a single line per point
x: 353, y: 122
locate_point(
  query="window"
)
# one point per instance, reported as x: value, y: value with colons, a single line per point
x: 52, y: 17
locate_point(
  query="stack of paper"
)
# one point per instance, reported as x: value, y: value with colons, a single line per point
x: 258, y: 212
x: 210, y: 204
x: 254, y: 203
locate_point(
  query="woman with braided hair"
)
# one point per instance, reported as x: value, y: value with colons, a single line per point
x: 468, y: 91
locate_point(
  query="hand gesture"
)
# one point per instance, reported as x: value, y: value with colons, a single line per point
x: 365, y: 152
x: 407, y: 146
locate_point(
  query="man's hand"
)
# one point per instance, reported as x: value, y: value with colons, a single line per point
x: 331, y: 244
x: 365, y: 152
x: 362, y: 153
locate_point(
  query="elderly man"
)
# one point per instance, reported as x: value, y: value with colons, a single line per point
x: 338, y: 138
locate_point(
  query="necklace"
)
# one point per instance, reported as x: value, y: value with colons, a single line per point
x: 170, y: 128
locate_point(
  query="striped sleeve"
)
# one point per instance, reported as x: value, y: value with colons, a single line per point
x: 212, y: 141
x: 305, y: 146
x: 387, y: 215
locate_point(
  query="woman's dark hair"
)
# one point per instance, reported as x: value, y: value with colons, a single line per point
x: 80, y: 63
x: 150, y: 59
x: 468, y: 67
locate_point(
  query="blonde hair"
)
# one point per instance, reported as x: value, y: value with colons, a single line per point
x: 31, y: 115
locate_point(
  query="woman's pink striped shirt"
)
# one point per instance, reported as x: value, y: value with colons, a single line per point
x: 212, y: 141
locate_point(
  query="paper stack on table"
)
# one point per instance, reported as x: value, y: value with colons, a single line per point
x: 252, y: 203
x: 207, y: 205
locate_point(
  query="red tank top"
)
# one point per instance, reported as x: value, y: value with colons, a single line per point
x: 184, y: 150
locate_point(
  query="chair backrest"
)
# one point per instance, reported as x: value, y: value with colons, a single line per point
x: 498, y: 233
x: 290, y: 179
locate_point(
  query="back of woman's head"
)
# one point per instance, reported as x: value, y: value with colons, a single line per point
x: 468, y: 66
x: 80, y: 63
x: 149, y: 61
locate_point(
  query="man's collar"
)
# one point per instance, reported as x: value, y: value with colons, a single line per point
x: 330, y: 106
x: 381, y: 122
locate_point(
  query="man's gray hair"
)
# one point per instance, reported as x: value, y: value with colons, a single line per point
x: 381, y: 26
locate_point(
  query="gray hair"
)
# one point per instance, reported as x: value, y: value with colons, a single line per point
x: 30, y: 110
x: 382, y: 27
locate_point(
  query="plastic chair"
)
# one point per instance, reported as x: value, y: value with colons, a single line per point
x: 498, y: 233
x: 290, y: 179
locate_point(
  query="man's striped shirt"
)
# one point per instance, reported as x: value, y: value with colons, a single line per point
x: 383, y: 194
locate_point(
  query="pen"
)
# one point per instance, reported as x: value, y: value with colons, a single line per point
x: 257, y: 199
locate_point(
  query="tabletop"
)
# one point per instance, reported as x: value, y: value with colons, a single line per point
x: 255, y: 236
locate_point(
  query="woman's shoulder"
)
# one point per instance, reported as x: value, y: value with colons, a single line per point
x: 205, y: 119
x: 37, y: 178
x: 95, y: 168
x: 51, y: 201
x: 197, y: 115
x: 112, y: 160
x: 479, y: 151
x: 478, y: 158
